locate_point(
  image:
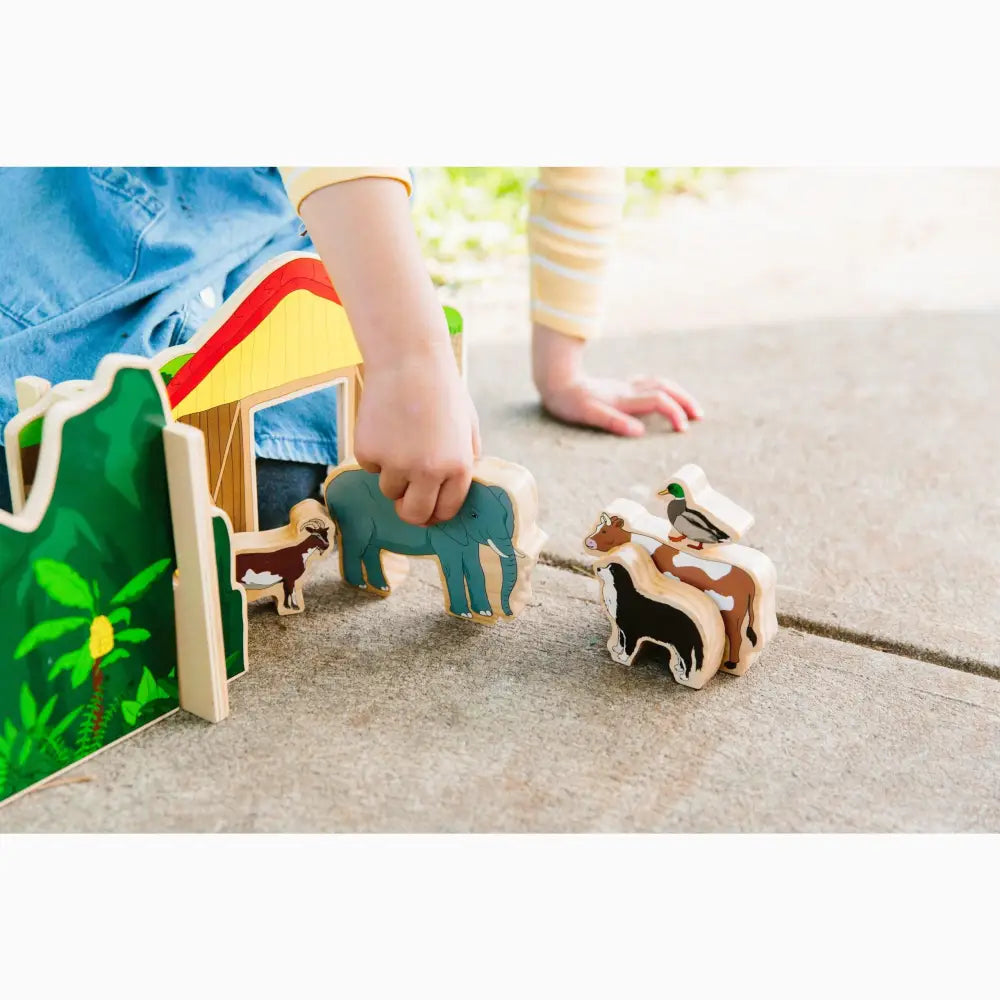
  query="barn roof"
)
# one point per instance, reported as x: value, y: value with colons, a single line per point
x: 290, y: 326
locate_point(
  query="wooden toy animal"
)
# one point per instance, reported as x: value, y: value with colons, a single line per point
x: 700, y: 515
x: 485, y: 553
x: 731, y: 588
x: 274, y: 563
x: 739, y: 580
x: 646, y: 607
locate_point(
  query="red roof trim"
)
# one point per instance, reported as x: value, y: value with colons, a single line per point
x: 304, y: 273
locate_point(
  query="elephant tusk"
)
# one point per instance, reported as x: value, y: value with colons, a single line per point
x: 493, y: 546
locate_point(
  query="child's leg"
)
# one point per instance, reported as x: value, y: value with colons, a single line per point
x: 5, y: 501
x: 281, y: 485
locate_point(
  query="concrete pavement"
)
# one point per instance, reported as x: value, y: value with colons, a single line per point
x: 345, y: 726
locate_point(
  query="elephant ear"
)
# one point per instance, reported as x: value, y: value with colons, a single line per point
x: 454, y: 529
x: 501, y: 494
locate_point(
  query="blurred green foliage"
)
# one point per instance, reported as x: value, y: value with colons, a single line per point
x: 468, y: 215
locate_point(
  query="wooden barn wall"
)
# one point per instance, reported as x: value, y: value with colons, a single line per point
x: 216, y: 424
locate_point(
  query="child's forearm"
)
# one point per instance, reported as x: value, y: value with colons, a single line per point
x: 574, y: 218
x: 416, y: 425
x: 363, y: 232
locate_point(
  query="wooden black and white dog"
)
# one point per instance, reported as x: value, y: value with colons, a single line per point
x: 639, y: 619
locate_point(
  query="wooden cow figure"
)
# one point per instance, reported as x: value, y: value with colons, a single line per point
x: 274, y: 563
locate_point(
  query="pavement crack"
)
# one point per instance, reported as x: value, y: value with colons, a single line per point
x: 841, y: 633
x: 883, y: 644
x: 961, y: 701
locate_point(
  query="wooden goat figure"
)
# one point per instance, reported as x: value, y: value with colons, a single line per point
x: 274, y: 563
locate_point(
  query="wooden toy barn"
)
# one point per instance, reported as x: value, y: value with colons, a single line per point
x: 288, y: 336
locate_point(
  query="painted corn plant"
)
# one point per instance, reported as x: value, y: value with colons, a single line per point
x: 109, y: 636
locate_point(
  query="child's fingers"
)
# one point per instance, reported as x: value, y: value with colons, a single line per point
x: 655, y: 402
x: 452, y: 495
x: 392, y: 484
x: 688, y: 403
x: 418, y: 502
x: 477, y: 441
x: 597, y: 413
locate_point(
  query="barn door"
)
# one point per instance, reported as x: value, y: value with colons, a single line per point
x: 228, y: 475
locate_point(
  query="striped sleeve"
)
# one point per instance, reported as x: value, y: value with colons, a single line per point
x: 300, y: 182
x: 573, y: 221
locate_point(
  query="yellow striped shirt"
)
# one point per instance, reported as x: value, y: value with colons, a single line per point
x: 574, y: 215
x: 302, y: 181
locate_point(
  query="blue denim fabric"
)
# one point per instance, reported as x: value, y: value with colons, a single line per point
x: 106, y: 260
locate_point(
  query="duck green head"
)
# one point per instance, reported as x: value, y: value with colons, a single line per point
x: 675, y: 490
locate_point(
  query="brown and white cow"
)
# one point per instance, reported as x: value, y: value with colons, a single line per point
x: 731, y: 588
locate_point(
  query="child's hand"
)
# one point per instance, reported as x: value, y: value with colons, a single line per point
x: 418, y: 429
x: 416, y: 426
x: 610, y: 404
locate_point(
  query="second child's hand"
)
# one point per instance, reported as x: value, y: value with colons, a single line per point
x: 610, y: 404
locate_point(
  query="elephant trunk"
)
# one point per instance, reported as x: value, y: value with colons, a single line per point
x: 508, y: 563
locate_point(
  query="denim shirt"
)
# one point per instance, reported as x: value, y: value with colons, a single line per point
x: 104, y: 260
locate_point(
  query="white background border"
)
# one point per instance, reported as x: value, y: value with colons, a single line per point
x: 759, y: 83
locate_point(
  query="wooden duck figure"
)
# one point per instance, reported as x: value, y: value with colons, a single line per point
x: 698, y: 514
x: 692, y: 524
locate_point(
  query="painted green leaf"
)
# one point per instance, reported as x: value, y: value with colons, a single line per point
x: 25, y: 750
x: 75, y: 521
x: 66, y: 523
x: 68, y: 660
x: 120, y: 615
x: 174, y: 365
x: 130, y: 711
x: 141, y: 582
x: 82, y: 670
x: 46, y: 632
x: 29, y: 707
x: 64, y: 723
x: 147, y: 686
x: 115, y: 655
x: 9, y: 730
x: 31, y: 434
x: 63, y: 584
x: 454, y: 318
x: 132, y: 635
x: 121, y: 426
x: 169, y: 690
x: 46, y: 712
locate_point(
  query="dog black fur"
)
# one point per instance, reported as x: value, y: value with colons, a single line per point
x: 638, y: 617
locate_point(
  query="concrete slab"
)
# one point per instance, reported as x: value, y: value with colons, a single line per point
x: 371, y: 716
x: 839, y: 324
x: 865, y: 448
